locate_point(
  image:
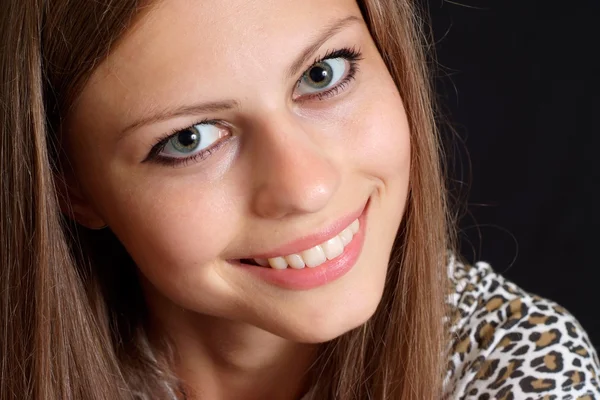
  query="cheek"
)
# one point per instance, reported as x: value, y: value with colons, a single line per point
x: 382, y: 142
x: 167, y: 226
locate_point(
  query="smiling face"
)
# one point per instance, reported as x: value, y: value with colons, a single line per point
x: 221, y: 135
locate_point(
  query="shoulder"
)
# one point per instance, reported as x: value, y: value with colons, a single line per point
x: 509, y: 344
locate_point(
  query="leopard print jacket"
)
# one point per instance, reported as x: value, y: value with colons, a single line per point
x: 509, y: 344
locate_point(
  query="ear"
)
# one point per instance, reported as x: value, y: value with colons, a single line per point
x: 74, y: 204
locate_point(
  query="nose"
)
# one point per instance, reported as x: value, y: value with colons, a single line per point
x: 293, y: 173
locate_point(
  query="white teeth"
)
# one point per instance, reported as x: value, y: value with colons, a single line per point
x: 346, y: 236
x: 317, y: 255
x: 314, y: 256
x: 333, y: 248
x: 262, y: 261
x: 295, y: 261
x: 354, y: 226
x: 278, y: 263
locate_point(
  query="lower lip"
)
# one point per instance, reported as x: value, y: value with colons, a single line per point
x: 309, y: 278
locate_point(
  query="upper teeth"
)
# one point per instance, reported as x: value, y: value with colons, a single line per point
x: 314, y: 256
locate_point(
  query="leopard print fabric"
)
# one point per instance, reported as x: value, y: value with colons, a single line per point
x: 508, y: 344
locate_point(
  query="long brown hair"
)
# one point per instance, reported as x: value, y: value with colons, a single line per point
x: 70, y: 331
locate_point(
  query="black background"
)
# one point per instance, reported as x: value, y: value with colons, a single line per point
x: 518, y: 82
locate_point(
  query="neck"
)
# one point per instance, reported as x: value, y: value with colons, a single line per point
x: 226, y: 360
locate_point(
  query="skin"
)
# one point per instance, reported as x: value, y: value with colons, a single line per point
x: 291, y: 166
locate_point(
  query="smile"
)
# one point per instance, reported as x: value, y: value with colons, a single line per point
x: 316, y: 255
x: 314, y: 260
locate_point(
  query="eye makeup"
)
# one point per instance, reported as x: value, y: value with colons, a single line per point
x: 351, y: 56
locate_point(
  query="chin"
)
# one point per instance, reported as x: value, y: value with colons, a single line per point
x: 332, y: 314
x: 330, y: 323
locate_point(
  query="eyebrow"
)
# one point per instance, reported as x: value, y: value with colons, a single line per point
x: 324, y: 36
x: 192, y: 109
x: 226, y: 105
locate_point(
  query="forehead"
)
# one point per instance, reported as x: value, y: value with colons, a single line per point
x: 221, y: 25
x: 201, y: 45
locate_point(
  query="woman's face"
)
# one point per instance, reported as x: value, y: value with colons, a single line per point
x: 218, y: 134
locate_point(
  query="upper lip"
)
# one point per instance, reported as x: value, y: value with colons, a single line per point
x: 309, y: 241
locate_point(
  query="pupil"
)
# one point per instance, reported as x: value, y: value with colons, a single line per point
x: 187, y: 138
x: 318, y: 74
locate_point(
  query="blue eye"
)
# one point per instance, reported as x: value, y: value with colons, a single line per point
x: 323, y: 75
x: 191, y: 141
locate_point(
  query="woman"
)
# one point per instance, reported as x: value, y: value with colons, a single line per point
x: 243, y: 199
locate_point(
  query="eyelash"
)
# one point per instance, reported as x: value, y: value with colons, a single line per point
x: 352, y: 55
x: 154, y: 154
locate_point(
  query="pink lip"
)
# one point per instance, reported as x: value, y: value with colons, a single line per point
x: 309, y: 278
x: 314, y: 239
